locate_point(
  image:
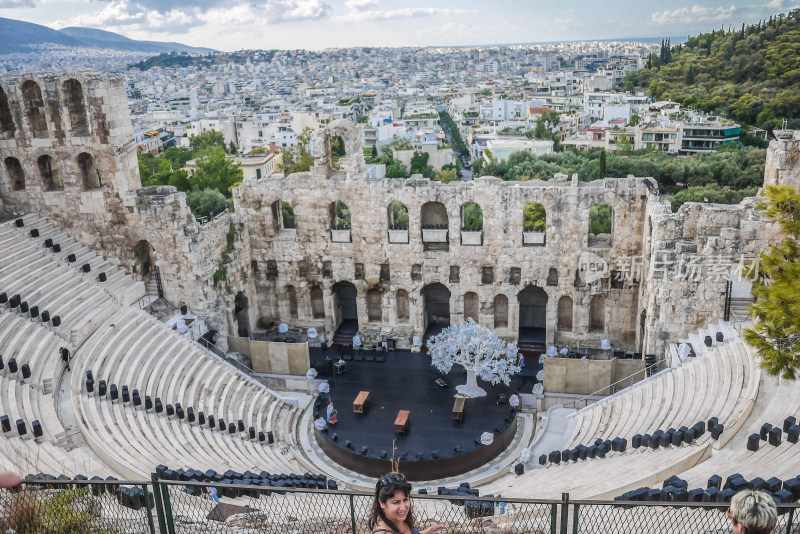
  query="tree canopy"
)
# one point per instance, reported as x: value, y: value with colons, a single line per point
x: 776, y: 331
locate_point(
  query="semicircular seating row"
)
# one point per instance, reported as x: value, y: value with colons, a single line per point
x: 135, y: 349
x: 32, y: 399
x: 45, y: 279
x: 722, y: 382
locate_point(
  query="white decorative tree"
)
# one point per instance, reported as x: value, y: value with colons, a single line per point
x: 479, y: 351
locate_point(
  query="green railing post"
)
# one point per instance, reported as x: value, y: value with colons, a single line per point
x: 167, y: 510
x: 352, y: 514
x: 149, y: 508
x: 162, y: 524
x: 553, y: 518
x: 564, y: 513
x: 791, y: 520
x: 575, y: 518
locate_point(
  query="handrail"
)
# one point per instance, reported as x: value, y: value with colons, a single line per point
x: 595, y: 393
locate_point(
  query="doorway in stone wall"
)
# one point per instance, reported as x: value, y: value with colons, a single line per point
x: 436, y: 300
x: 146, y: 269
x: 532, y: 319
x: 345, y: 312
x: 241, y: 315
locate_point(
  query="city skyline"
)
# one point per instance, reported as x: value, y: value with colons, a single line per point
x: 320, y: 24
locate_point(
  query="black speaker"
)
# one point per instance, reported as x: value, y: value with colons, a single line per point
x: 232, y: 428
x: 201, y: 418
x: 252, y: 432
x: 262, y: 437
x: 35, y: 232
x: 190, y: 414
x: 270, y: 437
x: 113, y: 392
x: 793, y: 434
x: 126, y: 396
x: 714, y: 481
x: 170, y: 410
x: 101, y: 277
x: 519, y: 469
x: 101, y: 388
x: 12, y: 365
x: 179, y: 412
x: 184, y: 310
x: 765, y: 428
x: 720, y: 337
x: 14, y: 302
x: 20, y: 223
x: 45, y: 316
x: 708, y: 341
x: 148, y: 402
x: 716, y: 432
x: 56, y: 247
x: 71, y: 258
x: 26, y: 370
x: 753, y: 442
x: 211, y: 421
x: 90, y: 385
x: 56, y: 320
x: 34, y: 312
x: 137, y: 400
x: 21, y: 430
x: 5, y: 423
x: 3, y: 298
x: 86, y: 267
x: 775, y: 437
x: 240, y: 425
x: 48, y: 243
x: 23, y: 306
x: 37, y: 429
x: 221, y: 423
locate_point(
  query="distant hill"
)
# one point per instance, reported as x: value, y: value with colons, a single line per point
x: 750, y: 74
x: 104, y: 39
x: 19, y: 36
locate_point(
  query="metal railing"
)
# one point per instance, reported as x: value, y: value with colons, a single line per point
x: 169, y: 507
x: 611, y: 387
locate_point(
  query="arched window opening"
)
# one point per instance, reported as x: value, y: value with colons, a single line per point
x: 338, y: 151
x: 241, y: 314
x: 601, y: 225
x: 339, y: 216
x: 565, y: 314
x: 398, y: 216
x: 34, y: 108
x: 7, y: 126
x: 597, y: 314
x: 287, y: 215
x: 73, y: 97
x: 471, y: 224
x: 144, y: 259
x: 317, y: 303
x: 472, y: 307
x: 51, y: 180
x: 532, y: 318
x: 16, y: 175
x: 552, y: 277
x: 402, y: 306
x: 435, y: 223
x: 345, y: 308
x: 374, y: 308
x: 534, y: 224
x: 436, y: 299
x: 501, y: 311
x: 89, y: 174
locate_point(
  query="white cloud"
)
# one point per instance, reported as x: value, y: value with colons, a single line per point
x: 402, y: 13
x: 10, y: 4
x: 696, y: 13
x: 289, y: 10
x: 360, y: 4
x: 116, y: 13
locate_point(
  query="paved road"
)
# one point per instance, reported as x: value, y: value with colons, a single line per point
x: 465, y: 174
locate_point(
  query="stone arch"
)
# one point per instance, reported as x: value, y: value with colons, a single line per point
x: 353, y: 159
x: 317, y: 303
x: 472, y: 306
x: 51, y: 178
x: 16, y: 175
x: 34, y: 108
x: 144, y: 259
x: 397, y: 216
x: 436, y: 301
x: 339, y: 216
x: 564, y: 322
x: 282, y: 215
x: 345, y: 308
x: 534, y: 224
x: 90, y: 177
x: 7, y: 127
x: 471, y: 217
x: 374, y: 305
x: 597, y: 314
x: 435, y: 223
x: 601, y: 225
x: 401, y: 301
x: 72, y: 93
x: 532, y: 318
x: 500, y: 311
x: 241, y: 314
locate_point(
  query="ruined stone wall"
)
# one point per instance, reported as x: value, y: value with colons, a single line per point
x: 307, y: 256
x: 783, y: 159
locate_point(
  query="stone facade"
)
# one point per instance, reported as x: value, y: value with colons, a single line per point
x: 68, y: 154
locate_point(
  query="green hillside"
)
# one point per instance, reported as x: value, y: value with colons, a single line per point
x: 751, y: 74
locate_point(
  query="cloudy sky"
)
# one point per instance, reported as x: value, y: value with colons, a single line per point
x: 317, y: 24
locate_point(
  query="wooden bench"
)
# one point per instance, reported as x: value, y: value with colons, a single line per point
x: 402, y: 421
x: 458, y: 409
x: 361, y: 400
